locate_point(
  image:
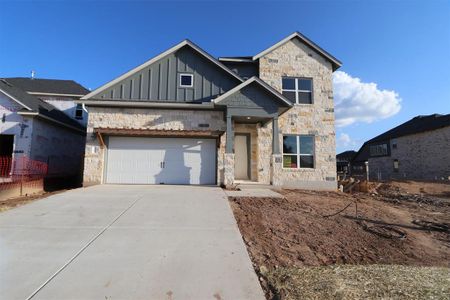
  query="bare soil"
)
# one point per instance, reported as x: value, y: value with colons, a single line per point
x: 19, y: 201
x: 390, y: 226
x: 435, y: 189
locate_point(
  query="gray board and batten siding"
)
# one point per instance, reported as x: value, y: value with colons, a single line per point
x: 254, y: 98
x: 160, y: 81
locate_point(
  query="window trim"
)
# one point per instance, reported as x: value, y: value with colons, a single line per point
x: 186, y: 86
x: 298, y: 154
x: 296, y: 90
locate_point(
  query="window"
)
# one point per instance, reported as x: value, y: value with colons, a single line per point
x: 378, y: 150
x: 186, y: 80
x: 298, y: 90
x: 394, y: 144
x: 298, y: 151
x: 79, y: 112
x: 395, y: 165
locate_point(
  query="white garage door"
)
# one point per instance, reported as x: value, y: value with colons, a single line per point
x: 139, y: 160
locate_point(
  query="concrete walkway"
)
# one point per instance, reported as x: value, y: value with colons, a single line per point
x: 254, y: 190
x: 125, y: 242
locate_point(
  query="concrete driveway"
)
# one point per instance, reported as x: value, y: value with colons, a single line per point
x: 125, y: 242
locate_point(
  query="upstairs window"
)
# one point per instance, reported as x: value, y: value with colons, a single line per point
x: 79, y: 112
x: 379, y: 150
x: 298, y: 151
x: 186, y: 80
x: 394, y: 143
x: 298, y: 90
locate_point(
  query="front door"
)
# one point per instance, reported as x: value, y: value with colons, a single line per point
x: 241, y: 156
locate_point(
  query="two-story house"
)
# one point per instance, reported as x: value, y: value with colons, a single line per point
x: 40, y: 120
x: 185, y: 117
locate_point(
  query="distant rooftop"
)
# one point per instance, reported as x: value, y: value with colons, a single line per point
x: 415, y: 125
x: 31, y: 103
x: 48, y: 86
x: 346, y: 155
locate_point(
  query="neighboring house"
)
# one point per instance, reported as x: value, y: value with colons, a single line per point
x: 417, y: 149
x: 59, y: 93
x: 343, y: 165
x: 184, y: 117
x: 38, y: 120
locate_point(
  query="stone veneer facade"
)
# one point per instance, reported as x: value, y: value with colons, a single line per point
x: 421, y: 156
x: 295, y: 59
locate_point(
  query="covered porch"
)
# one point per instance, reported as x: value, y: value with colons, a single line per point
x: 252, y: 140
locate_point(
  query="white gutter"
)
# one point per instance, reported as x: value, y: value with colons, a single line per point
x: 55, y: 94
x: 142, y: 104
x: 35, y: 114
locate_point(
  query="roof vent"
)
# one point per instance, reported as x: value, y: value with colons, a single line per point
x: 32, y: 74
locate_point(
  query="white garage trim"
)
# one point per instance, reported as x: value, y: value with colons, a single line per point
x: 160, y: 160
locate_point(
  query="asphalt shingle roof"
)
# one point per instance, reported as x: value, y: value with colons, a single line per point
x: 415, y: 125
x: 37, y: 105
x: 346, y: 155
x: 53, y: 86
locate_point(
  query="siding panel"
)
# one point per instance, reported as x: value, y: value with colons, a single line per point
x: 160, y: 81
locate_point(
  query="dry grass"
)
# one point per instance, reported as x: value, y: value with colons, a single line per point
x: 360, y: 282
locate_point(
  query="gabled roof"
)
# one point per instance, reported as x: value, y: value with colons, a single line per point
x: 35, y: 106
x: 334, y: 61
x: 48, y: 86
x: 346, y: 155
x: 158, y: 57
x: 258, y: 81
x: 415, y: 125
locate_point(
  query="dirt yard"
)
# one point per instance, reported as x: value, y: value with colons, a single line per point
x: 6, y: 204
x: 390, y: 226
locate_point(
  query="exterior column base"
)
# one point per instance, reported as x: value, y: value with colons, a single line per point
x: 277, y: 169
x: 228, y: 170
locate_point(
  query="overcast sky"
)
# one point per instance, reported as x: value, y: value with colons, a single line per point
x: 395, y: 54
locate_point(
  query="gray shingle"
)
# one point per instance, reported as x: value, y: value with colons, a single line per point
x: 53, y: 86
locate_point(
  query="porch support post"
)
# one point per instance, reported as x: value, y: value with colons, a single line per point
x: 275, y: 137
x: 230, y: 136
x: 277, y: 159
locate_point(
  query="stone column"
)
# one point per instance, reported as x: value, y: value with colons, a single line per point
x: 277, y: 169
x: 228, y: 170
x: 229, y: 155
